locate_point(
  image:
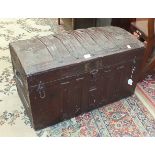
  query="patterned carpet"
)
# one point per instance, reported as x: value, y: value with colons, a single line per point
x: 127, y: 117
x: 147, y: 87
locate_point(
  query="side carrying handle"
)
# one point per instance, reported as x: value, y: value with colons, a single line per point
x: 41, y: 90
x: 18, y: 77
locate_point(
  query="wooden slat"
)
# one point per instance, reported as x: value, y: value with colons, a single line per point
x: 40, y: 54
x: 72, y: 45
x: 101, y: 40
x: 86, y: 41
x: 31, y: 53
x: 56, y: 50
x: 119, y: 38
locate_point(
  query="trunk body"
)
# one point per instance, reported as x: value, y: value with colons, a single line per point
x: 61, y: 76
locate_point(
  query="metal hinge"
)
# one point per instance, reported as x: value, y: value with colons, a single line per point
x: 41, y: 90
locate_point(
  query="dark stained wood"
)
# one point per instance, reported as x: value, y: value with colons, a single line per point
x: 56, y: 80
x: 146, y: 29
x: 77, y: 23
x: 122, y: 22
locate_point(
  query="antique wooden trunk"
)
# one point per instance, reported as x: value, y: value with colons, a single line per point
x: 61, y: 76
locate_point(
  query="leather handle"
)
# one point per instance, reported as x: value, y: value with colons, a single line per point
x: 41, y: 90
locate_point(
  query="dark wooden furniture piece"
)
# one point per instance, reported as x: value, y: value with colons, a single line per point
x: 123, y: 22
x: 61, y: 76
x: 77, y: 23
x: 146, y: 30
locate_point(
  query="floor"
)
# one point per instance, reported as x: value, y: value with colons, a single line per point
x: 132, y: 116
